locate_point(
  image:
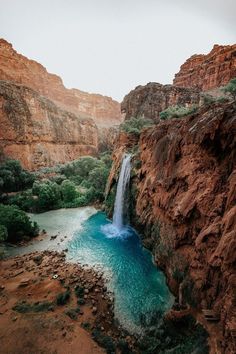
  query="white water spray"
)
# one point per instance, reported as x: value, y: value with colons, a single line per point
x: 123, y: 182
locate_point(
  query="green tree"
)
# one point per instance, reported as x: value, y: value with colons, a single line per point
x: 3, y: 233
x: 14, y: 177
x: 177, y: 112
x: 49, y: 196
x: 68, y: 191
x: 231, y: 88
x: 135, y: 125
x: 16, y: 222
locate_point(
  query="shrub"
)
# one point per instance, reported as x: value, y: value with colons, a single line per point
x: 135, y: 125
x: 68, y: 191
x: 3, y: 233
x: 14, y: 177
x: 177, y: 112
x: 25, y: 307
x: 73, y: 314
x: 103, y: 340
x: 231, y: 88
x: 79, y: 291
x: 17, y: 223
x: 209, y: 99
x: 24, y: 200
x: 49, y: 196
x: 63, y: 298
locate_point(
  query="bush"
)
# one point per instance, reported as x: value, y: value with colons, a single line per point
x: 3, y: 233
x: 17, y: 223
x: 24, y: 200
x: 14, y: 177
x: 177, y: 112
x: 63, y: 298
x: 209, y: 99
x: 49, y: 196
x: 104, y: 341
x: 231, y: 88
x: 24, y: 307
x: 135, y: 125
x: 68, y: 191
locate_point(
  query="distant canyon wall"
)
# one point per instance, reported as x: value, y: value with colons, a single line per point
x: 38, y: 133
x: 149, y: 100
x: 209, y: 71
x: 43, y: 123
x: 17, y: 68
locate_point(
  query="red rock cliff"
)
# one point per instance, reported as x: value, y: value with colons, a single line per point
x: 19, y: 69
x: 184, y: 199
x: 208, y: 71
x: 38, y: 133
x: 149, y: 100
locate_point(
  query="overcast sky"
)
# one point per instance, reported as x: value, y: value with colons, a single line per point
x: 111, y: 46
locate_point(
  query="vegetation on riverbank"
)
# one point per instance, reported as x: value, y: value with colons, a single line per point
x: 77, y: 183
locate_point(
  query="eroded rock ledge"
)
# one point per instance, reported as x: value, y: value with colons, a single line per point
x: 183, y: 201
x: 38, y: 133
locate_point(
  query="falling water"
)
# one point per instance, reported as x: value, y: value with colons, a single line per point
x: 123, y: 182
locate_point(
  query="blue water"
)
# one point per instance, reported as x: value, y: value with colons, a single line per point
x: 139, y: 287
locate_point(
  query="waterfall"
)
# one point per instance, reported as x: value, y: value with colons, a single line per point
x: 123, y: 183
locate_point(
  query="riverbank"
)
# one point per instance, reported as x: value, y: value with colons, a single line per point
x: 50, y: 306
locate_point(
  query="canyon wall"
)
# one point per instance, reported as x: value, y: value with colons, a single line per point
x: 17, y: 68
x: 38, y: 133
x: 183, y: 200
x: 208, y: 71
x: 43, y: 123
x: 149, y: 100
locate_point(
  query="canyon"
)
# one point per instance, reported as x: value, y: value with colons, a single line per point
x: 182, y: 190
x: 209, y: 71
x: 42, y: 122
x: 149, y: 100
x: 183, y: 202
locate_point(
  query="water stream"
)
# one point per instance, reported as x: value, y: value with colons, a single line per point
x: 122, y: 187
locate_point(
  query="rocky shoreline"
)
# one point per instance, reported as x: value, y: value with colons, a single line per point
x: 51, y: 306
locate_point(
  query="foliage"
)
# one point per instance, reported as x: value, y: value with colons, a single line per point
x: 135, y: 125
x: 68, y: 190
x: 13, y: 177
x: 78, y: 183
x: 231, y: 88
x: 24, y: 307
x: 79, y: 291
x: 72, y: 313
x: 177, y: 112
x: 48, y: 196
x: 63, y: 298
x: 16, y: 222
x: 104, y: 341
x: 3, y: 233
x: 24, y: 200
x: 180, y: 336
x: 209, y: 99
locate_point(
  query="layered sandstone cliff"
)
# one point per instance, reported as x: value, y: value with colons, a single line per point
x: 38, y: 133
x: 183, y: 198
x: 208, y: 71
x: 149, y: 100
x: 19, y: 69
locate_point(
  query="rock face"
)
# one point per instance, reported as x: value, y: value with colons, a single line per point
x: 208, y: 71
x: 19, y: 69
x: 43, y: 123
x: 149, y: 100
x: 183, y: 199
x: 38, y: 133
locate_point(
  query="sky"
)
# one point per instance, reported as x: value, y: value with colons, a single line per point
x: 112, y: 46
